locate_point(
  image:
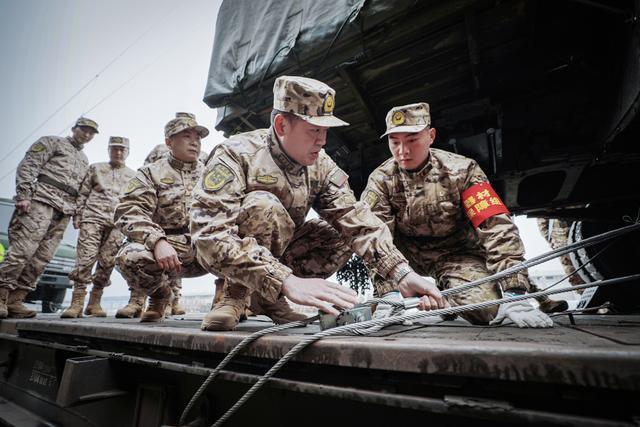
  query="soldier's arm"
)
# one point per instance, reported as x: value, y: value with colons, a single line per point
x: 376, y: 196
x: 29, y: 168
x: 498, y: 234
x: 83, y: 194
x: 134, y: 213
x: 215, y: 206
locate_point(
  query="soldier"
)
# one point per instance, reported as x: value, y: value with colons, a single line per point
x: 47, y: 183
x: 137, y: 298
x: 248, y: 216
x: 556, y: 233
x: 99, y: 240
x: 447, y: 219
x: 152, y: 213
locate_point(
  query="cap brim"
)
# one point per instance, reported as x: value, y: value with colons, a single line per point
x: 400, y: 129
x: 324, y: 121
x: 202, y: 131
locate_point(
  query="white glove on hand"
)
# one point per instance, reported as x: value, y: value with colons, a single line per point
x: 522, y: 314
x: 384, y: 311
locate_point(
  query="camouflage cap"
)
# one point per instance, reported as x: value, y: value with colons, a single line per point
x: 83, y: 121
x: 119, y: 141
x: 408, y: 118
x: 309, y: 99
x: 181, y: 123
x: 187, y: 115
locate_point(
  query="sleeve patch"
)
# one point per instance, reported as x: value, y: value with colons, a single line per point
x: 219, y: 176
x: 38, y: 147
x: 481, y: 202
x: 371, y: 198
x: 338, y: 178
x: 133, y: 185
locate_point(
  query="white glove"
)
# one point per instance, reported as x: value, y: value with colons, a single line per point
x: 522, y: 314
x: 384, y: 311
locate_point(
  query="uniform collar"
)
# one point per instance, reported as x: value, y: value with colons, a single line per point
x: 74, y: 143
x: 116, y: 167
x: 280, y: 157
x: 180, y: 165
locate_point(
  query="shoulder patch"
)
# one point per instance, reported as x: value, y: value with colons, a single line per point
x: 267, y: 179
x: 38, y: 147
x: 167, y: 180
x: 219, y: 176
x: 371, y: 198
x: 134, y: 184
x: 338, y: 178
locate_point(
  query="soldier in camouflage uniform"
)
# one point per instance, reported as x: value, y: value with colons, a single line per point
x: 249, y: 210
x: 137, y: 299
x: 446, y: 219
x: 152, y: 213
x: 47, y: 184
x: 556, y: 233
x: 99, y: 240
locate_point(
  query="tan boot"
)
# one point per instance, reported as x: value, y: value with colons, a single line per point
x: 548, y: 305
x: 217, y: 297
x: 16, y: 309
x: 93, y: 306
x: 134, y: 306
x: 158, y: 302
x: 279, y: 311
x: 225, y: 315
x: 4, y: 295
x: 176, y: 308
x: 77, y: 302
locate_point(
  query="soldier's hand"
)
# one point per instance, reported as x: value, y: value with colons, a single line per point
x: 23, y: 206
x: 318, y: 293
x: 166, y: 256
x: 76, y: 222
x: 414, y: 285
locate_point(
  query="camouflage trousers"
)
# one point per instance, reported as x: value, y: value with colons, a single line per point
x: 558, y: 238
x: 97, y: 242
x: 139, y: 268
x: 315, y: 249
x: 33, y: 240
x: 449, y: 270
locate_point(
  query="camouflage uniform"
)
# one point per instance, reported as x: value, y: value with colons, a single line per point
x: 556, y: 233
x: 49, y: 176
x: 249, y: 209
x: 98, y: 240
x: 424, y: 211
x: 154, y: 206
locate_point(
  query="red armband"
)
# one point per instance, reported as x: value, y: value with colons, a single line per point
x: 480, y: 201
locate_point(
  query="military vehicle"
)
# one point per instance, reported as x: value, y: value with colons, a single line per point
x: 54, y: 282
x: 543, y: 94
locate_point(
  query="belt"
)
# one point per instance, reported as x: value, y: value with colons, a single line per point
x: 174, y: 231
x: 64, y: 187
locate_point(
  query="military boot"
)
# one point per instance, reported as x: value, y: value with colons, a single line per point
x: 15, y: 307
x: 279, y: 311
x: 134, y: 306
x: 77, y: 302
x: 176, y: 308
x: 93, y: 306
x: 225, y: 315
x: 548, y: 305
x: 158, y: 302
x: 4, y: 295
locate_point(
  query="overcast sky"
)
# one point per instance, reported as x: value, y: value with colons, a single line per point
x: 129, y: 65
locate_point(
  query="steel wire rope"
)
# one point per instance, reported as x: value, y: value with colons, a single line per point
x: 346, y: 329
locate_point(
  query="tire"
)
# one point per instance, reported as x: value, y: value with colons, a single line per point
x: 52, y: 299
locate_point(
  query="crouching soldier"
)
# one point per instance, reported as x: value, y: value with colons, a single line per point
x: 47, y: 183
x: 98, y: 240
x: 447, y: 219
x: 152, y: 213
x: 249, y: 216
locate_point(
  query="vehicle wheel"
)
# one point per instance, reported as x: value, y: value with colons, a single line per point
x: 52, y: 299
